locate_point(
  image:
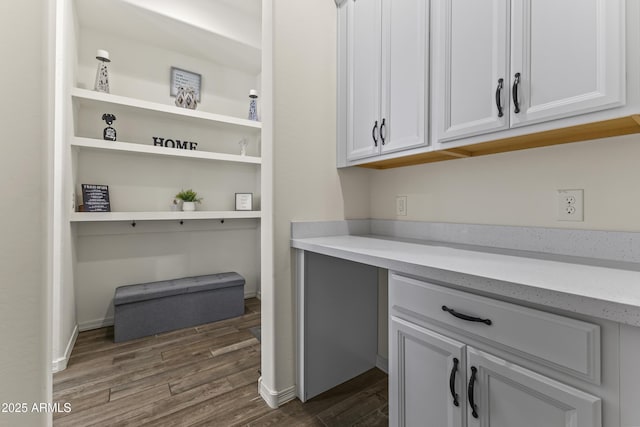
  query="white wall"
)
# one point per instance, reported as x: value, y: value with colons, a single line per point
x: 307, y: 185
x: 24, y: 358
x: 63, y: 322
x: 519, y: 188
x: 112, y: 255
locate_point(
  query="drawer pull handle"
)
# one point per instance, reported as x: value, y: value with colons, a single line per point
x: 383, y: 132
x: 452, y: 382
x: 465, y: 317
x: 472, y: 382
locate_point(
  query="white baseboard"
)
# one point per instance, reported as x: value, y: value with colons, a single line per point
x: 95, y: 324
x: 382, y: 363
x: 248, y: 295
x: 275, y: 399
x: 60, y: 364
x: 259, y: 295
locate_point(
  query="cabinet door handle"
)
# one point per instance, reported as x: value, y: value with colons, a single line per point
x: 452, y: 382
x: 382, y: 127
x: 465, y: 316
x: 514, y: 91
x: 472, y: 382
x: 499, y: 97
x: 373, y: 133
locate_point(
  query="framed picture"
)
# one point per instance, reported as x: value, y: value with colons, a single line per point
x: 183, y: 78
x: 244, y: 201
x: 95, y: 198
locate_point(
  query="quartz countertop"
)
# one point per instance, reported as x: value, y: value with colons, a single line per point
x: 604, y: 289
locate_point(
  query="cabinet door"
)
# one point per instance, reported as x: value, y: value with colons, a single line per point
x: 364, y: 38
x: 569, y: 55
x: 507, y: 395
x: 405, y: 53
x: 471, y: 78
x: 422, y: 365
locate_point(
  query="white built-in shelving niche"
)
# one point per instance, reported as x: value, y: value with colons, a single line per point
x: 91, y: 153
x: 221, y: 41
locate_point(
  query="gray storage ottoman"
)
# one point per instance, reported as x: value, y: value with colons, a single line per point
x: 151, y: 308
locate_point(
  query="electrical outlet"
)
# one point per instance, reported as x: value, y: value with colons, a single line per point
x: 570, y: 205
x: 401, y: 205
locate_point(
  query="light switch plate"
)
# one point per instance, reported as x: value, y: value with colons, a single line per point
x: 401, y: 205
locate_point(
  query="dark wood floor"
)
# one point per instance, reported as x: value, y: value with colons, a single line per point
x: 202, y: 376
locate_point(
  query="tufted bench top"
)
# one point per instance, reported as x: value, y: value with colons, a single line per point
x: 165, y: 288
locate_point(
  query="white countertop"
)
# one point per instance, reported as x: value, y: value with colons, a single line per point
x: 607, y: 290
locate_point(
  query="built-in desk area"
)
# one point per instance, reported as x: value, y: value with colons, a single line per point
x: 337, y: 288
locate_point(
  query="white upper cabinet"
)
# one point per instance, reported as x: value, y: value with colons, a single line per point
x: 471, y: 74
x: 404, y: 74
x: 364, y: 77
x: 386, y: 68
x: 507, y: 63
x: 569, y: 55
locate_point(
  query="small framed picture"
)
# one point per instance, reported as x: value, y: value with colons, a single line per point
x: 95, y: 198
x: 244, y: 201
x: 183, y: 78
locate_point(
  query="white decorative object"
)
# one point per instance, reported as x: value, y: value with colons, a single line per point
x: 190, y: 99
x: 186, y: 98
x: 188, y: 206
x: 243, y: 146
x: 102, y: 74
x: 244, y: 201
x: 180, y: 94
x: 176, y: 205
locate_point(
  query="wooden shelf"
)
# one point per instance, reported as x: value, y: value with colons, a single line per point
x: 615, y: 127
x: 161, y: 216
x: 98, y: 144
x: 90, y: 96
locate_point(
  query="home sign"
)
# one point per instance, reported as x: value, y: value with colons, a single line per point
x: 174, y: 143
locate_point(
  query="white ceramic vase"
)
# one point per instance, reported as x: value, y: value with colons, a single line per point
x: 189, y: 206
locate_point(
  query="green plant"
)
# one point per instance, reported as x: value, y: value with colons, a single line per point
x: 188, y: 196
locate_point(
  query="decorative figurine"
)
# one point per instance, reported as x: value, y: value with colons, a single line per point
x: 243, y: 146
x: 186, y: 98
x: 102, y: 75
x: 190, y: 100
x: 253, y: 105
x: 109, y: 133
x: 180, y: 97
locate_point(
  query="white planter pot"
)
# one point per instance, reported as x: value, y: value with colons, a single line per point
x: 188, y: 206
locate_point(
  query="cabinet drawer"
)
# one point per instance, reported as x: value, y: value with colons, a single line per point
x: 566, y: 344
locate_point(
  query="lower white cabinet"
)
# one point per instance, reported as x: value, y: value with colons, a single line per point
x: 503, y: 394
x: 426, y: 377
x: 437, y: 380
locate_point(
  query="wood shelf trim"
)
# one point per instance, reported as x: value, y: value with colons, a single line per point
x: 456, y: 152
x: 160, y: 216
x: 121, y: 146
x: 99, y: 97
x: 604, y: 129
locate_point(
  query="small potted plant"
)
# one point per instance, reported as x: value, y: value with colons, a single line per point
x: 189, y: 199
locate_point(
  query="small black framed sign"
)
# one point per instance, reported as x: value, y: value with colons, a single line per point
x: 183, y: 78
x: 95, y: 198
x: 244, y: 201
